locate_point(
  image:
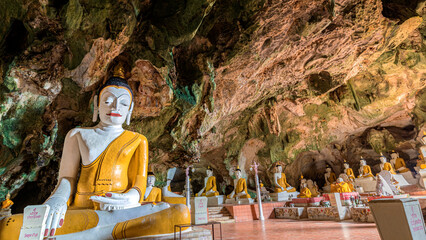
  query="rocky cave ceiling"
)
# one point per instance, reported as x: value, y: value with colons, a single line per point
x: 228, y: 82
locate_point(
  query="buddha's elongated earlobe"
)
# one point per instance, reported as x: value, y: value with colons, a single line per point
x: 129, y: 114
x: 95, y: 109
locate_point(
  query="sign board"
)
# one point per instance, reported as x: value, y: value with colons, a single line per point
x: 34, y: 222
x: 199, y: 210
x: 399, y: 219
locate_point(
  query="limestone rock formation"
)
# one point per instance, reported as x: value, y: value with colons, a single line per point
x: 217, y: 82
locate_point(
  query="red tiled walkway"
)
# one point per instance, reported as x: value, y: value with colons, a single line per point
x: 304, y: 230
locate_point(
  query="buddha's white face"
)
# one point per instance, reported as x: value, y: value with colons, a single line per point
x: 114, y: 105
x: 362, y: 162
x: 328, y: 170
x: 209, y: 173
x: 279, y: 169
x: 394, y: 155
x: 346, y: 165
x: 382, y: 159
x: 151, y: 181
x: 339, y: 180
x: 238, y: 174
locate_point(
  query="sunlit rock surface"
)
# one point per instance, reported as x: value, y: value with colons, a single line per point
x: 229, y: 82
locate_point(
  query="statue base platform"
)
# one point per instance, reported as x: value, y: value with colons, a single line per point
x: 345, y: 198
x: 239, y: 201
x: 283, y: 196
x: 408, y: 176
x: 216, y: 200
x: 367, y: 184
x: 193, y: 233
x: 422, y: 177
x: 305, y: 202
x: 5, y: 213
x: 362, y: 214
x: 291, y: 212
x: 329, y: 213
x: 401, y: 180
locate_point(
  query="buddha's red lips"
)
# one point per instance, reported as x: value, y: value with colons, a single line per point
x: 114, y: 114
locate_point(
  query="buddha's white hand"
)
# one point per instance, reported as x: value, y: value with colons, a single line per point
x: 58, y: 207
x: 56, y: 216
x: 116, y: 201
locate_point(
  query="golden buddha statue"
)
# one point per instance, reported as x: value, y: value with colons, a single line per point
x: 152, y: 194
x: 348, y: 171
x: 7, y: 203
x: 304, y: 190
x: 385, y: 165
x: 209, y: 189
x: 364, y: 170
x: 280, y: 181
x: 104, y: 167
x: 240, y: 186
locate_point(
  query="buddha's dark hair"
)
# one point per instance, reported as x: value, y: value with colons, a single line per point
x: 116, y: 81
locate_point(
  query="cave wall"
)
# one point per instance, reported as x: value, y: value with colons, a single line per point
x: 222, y: 82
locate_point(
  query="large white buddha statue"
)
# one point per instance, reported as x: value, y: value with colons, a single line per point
x: 385, y: 165
x: 364, y: 169
x: 398, y: 163
x: 348, y: 171
x: 365, y: 182
x: 240, y: 186
x: 209, y: 189
x: 104, y: 167
x: 280, y: 181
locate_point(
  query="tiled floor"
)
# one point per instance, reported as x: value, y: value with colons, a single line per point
x: 304, y: 230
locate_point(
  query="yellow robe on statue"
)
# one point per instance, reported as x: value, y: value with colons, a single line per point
x: 283, y: 183
x: 121, y: 166
x: 400, y: 163
x: 305, y: 193
x: 211, y: 185
x: 154, y: 195
x: 350, y: 173
x: 366, y: 172
x: 332, y: 178
x: 241, y: 187
x: 342, y: 187
x: 6, y: 204
x: 388, y: 167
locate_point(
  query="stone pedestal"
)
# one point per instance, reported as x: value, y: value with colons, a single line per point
x: 5, y: 213
x: 215, y: 200
x: 362, y: 214
x: 367, y: 184
x: 283, y: 196
x: 328, y: 213
x: 239, y: 201
x: 291, y: 212
x: 422, y: 180
x: 408, y: 176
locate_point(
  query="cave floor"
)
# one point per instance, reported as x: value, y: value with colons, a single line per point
x: 306, y: 230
